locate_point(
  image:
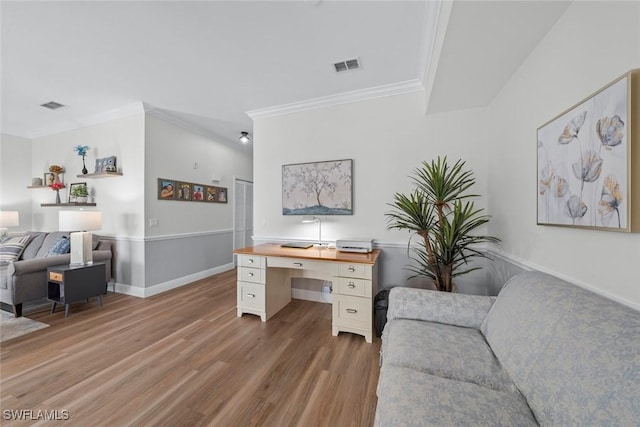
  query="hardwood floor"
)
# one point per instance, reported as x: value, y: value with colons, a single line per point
x: 183, y: 358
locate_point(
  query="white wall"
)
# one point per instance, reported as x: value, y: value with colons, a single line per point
x: 191, y: 240
x: 175, y: 153
x: 592, y: 44
x: 15, y: 176
x: 386, y: 138
x: 121, y: 199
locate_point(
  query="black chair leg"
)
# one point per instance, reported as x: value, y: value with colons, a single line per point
x: 17, y: 310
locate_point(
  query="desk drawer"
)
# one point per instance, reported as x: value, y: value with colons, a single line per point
x: 352, y: 311
x: 355, y: 287
x: 251, y: 261
x: 251, y: 295
x: 246, y: 274
x: 355, y: 270
x: 302, y: 264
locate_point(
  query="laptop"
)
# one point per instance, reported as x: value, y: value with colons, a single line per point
x: 299, y: 245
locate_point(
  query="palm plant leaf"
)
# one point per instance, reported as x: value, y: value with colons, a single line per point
x: 439, y: 212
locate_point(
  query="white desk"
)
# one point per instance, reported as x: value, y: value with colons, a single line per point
x: 265, y: 273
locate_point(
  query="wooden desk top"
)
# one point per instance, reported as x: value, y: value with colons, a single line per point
x: 322, y: 254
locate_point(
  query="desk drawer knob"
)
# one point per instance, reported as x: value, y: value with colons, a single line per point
x: 297, y: 264
x: 351, y: 285
x: 251, y: 295
x: 351, y: 269
x: 250, y: 260
x: 351, y: 310
x: 250, y: 274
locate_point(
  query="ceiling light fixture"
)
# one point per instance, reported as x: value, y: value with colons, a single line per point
x: 52, y: 105
x: 244, y: 137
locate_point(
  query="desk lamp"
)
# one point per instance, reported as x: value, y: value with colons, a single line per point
x: 81, y: 223
x: 8, y: 219
x: 310, y: 219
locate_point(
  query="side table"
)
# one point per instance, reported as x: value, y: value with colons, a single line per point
x: 71, y: 283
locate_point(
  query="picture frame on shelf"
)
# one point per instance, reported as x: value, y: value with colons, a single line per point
x: 70, y: 197
x: 48, y: 179
x: 106, y: 164
x: 166, y: 189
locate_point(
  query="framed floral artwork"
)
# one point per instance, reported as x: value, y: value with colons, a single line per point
x: 588, y: 161
x: 318, y: 188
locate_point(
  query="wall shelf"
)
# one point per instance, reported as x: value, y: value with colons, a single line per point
x: 47, y: 205
x: 32, y: 187
x: 100, y: 175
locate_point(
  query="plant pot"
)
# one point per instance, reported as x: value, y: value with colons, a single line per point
x: 81, y: 199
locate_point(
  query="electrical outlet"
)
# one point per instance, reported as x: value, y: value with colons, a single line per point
x: 153, y: 222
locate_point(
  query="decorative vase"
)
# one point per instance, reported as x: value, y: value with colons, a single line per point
x: 56, y: 177
x: 58, y: 196
x: 84, y: 168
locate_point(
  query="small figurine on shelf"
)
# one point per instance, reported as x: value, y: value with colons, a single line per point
x: 56, y: 171
x: 82, y: 151
x: 57, y: 186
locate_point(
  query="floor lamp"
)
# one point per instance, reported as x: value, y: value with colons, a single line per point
x: 8, y: 219
x: 81, y: 223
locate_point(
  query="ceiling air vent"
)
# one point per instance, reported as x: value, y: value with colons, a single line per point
x: 52, y: 105
x: 349, y: 64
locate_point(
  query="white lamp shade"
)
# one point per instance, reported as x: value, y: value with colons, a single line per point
x: 9, y: 219
x: 79, y: 220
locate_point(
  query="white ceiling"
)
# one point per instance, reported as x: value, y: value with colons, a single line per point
x: 205, y: 64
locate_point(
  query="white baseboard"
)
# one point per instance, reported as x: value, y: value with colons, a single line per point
x: 171, y: 284
x: 311, y: 295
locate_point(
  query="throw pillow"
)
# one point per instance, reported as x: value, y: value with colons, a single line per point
x: 60, y: 247
x: 11, y: 248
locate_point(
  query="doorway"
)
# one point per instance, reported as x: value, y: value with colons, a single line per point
x: 242, y: 214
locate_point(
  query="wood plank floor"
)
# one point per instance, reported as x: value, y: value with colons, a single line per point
x: 183, y: 358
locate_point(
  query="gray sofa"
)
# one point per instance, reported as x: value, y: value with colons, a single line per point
x: 26, y: 279
x: 544, y: 352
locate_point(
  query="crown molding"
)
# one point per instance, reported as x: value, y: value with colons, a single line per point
x: 338, y: 99
x: 431, y: 43
x: 95, y: 119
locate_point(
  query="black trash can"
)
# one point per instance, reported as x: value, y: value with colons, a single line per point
x: 380, y: 305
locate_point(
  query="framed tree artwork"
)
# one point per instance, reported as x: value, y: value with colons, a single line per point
x: 318, y: 188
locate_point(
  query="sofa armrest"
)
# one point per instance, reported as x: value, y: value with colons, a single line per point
x: 443, y: 307
x: 104, y: 245
x: 36, y: 264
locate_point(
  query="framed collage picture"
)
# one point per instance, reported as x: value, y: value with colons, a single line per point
x: 171, y: 189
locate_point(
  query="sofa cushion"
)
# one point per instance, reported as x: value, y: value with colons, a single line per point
x: 61, y: 246
x: 11, y: 249
x: 49, y: 241
x: 574, y: 354
x: 414, y: 398
x: 446, y: 351
x: 34, y: 245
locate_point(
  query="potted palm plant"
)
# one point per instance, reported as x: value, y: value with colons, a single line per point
x: 438, y: 211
